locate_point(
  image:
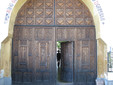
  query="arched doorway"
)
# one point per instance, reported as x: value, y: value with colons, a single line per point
x: 38, y: 26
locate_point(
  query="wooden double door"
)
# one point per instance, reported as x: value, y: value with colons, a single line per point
x: 38, y: 26
x: 34, y: 55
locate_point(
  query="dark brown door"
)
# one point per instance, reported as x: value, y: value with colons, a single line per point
x: 44, y: 69
x: 67, y: 61
x: 85, y: 71
x: 33, y: 55
x: 44, y: 53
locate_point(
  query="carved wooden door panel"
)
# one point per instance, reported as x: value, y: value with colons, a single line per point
x: 34, y: 55
x: 43, y: 63
x: 67, y: 61
x: 22, y: 59
x: 85, y: 56
x: 44, y: 56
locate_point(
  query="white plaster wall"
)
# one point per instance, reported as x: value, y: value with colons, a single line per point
x: 3, y: 27
x: 107, y: 28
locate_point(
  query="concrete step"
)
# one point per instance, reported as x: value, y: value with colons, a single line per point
x: 110, y: 82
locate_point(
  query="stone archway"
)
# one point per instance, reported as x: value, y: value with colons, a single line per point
x: 7, y: 43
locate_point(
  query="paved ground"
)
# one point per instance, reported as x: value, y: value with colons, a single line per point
x: 110, y: 78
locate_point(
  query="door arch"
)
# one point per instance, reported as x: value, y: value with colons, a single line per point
x: 38, y: 25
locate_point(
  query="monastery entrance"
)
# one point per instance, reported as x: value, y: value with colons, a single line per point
x: 38, y: 27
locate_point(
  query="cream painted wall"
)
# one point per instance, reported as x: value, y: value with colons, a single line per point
x: 6, y: 57
x: 0, y: 51
x: 101, y: 59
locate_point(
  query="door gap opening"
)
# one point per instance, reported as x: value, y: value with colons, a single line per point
x: 64, y: 61
x: 58, y: 61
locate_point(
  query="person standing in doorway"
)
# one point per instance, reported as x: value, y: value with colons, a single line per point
x: 58, y: 58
